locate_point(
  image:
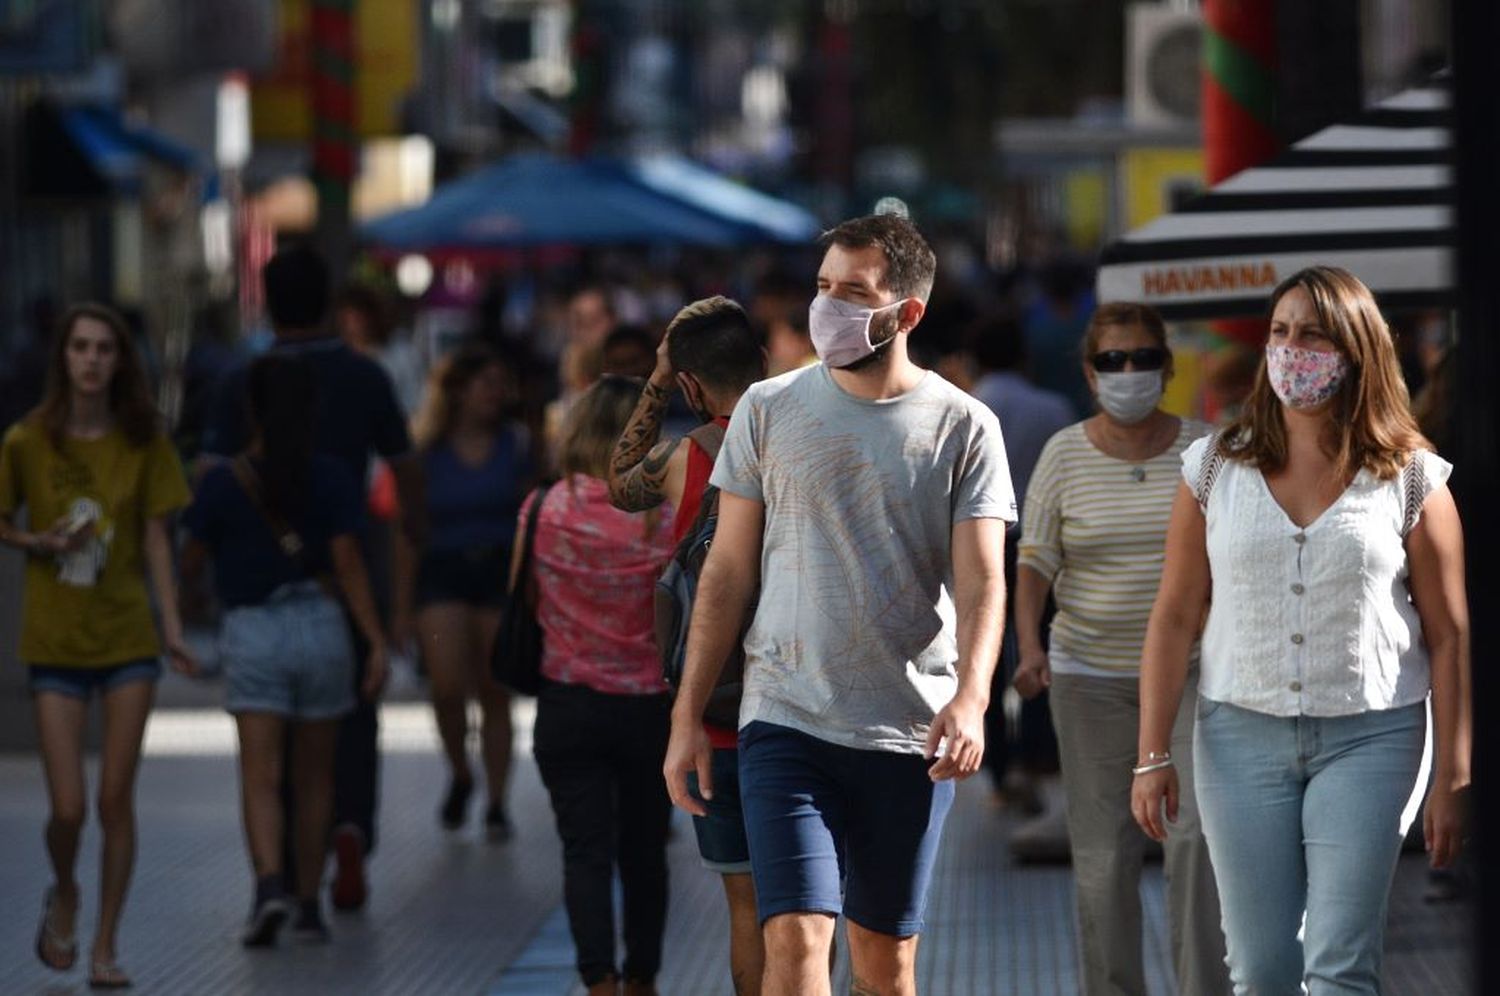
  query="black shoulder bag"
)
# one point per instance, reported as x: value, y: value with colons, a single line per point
x: 516, y: 657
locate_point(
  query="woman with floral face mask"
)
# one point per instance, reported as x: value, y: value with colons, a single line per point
x: 1093, y: 527
x: 1321, y: 525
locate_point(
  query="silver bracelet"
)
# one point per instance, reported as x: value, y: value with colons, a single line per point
x: 1146, y: 769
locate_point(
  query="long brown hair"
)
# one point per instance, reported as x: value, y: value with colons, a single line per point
x: 446, y: 386
x: 130, y: 400
x: 594, y: 422
x: 1370, y: 424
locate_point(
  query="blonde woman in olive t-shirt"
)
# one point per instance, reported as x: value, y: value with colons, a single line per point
x: 97, y: 480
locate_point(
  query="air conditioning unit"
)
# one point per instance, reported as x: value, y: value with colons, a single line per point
x: 1163, y: 46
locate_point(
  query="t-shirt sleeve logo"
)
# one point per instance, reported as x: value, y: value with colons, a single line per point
x: 81, y: 567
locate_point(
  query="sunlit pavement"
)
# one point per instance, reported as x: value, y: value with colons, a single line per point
x: 452, y: 913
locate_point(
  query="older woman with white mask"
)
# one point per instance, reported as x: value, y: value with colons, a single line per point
x: 1094, y: 532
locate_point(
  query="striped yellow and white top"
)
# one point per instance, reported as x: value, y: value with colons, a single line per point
x: 1097, y: 528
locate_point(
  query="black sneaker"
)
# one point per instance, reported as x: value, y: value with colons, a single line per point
x: 456, y: 806
x: 267, y: 915
x: 497, y: 825
x: 309, y: 927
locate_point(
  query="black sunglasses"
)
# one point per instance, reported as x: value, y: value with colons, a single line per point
x: 1114, y: 360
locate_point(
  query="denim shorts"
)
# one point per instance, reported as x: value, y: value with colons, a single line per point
x: 721, y: 834
x: 819, y: 815
x: 290, y: 655
x: 81, y: 682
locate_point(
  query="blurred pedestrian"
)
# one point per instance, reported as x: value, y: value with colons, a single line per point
x: 579, y: 368
x: 601, y: 721
x: 356, y: 416
x: 788, y: 342
x: 711, y: 353
x: 1095, y: 523
x: 630, y: 351
x: 590, y: 316
x: 476, y: 465
x: 1321, y: 522
x: 871, y: 496
x: 282, y: 526
x: 98, y: 481
x: 1055, y: 321
x: 364, y: 319
x: 1029, y: 416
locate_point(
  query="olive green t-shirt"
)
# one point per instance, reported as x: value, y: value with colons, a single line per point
x: 89, y: 608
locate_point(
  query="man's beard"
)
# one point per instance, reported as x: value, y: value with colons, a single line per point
x: 882, y: 355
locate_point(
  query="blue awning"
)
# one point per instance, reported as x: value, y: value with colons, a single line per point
x: 118, y: 150
x: 85, y: 152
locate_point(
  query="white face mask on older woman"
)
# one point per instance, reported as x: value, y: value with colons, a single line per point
x: 1129, y: 396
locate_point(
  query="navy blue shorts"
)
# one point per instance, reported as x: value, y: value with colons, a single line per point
x: 817, y: 814
x: 83, y: 682
x: 476, y: 577
x: 721, y: 834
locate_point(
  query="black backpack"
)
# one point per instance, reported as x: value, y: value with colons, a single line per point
x: 678, y: 587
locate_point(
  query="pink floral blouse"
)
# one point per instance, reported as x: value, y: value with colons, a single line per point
x: 596, y: 570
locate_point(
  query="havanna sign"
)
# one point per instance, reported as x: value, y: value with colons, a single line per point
x: 1178, y: 281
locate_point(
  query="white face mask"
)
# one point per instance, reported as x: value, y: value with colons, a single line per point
x: 840, y: 330
x: 1130, y: 395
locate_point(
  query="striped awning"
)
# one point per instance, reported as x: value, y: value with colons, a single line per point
x: 1373, y: 195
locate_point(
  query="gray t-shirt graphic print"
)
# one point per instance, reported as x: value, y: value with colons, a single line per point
x: 854, y: 638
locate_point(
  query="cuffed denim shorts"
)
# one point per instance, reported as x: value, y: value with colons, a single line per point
x: 290, y: 655
x: 82, y: 682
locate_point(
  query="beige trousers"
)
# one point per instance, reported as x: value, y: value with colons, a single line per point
x: 1096, y: 721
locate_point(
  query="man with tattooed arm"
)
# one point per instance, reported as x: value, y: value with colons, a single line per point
x: 711, y: 353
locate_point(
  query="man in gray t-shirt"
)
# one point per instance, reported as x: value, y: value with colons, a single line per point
x: 866, y: 499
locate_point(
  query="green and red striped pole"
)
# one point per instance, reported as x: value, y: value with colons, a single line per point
x: 1239, y: 85
x: 1239, y: 104
x: 334, y: 142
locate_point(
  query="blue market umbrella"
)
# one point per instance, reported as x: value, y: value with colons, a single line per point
x: 537, y: 199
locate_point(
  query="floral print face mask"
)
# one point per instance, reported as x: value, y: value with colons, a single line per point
x: 1305, y: 378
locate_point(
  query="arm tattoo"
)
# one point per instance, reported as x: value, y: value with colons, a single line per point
x: 638, y: 466
x: 858, y: 987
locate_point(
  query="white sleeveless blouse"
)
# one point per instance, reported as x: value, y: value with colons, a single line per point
x: 1313, y: 621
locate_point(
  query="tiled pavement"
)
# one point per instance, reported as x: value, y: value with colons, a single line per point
x: 453, y: 914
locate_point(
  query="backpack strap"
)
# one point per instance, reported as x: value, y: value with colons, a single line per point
x: 1414, y: 491
x: 1208, y: 472
x: 710, y: 438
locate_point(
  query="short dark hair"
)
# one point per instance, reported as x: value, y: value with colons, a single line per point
x: 638, y: 347
x: 372, y: 306
x: 713, y: 340
x: 910, y: 263
x: 998, y: 342
x: 296, y: 282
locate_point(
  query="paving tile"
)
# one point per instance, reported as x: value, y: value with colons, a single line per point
x: 450, y: 913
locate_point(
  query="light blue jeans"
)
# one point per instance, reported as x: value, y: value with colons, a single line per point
x: 1304, y: 816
